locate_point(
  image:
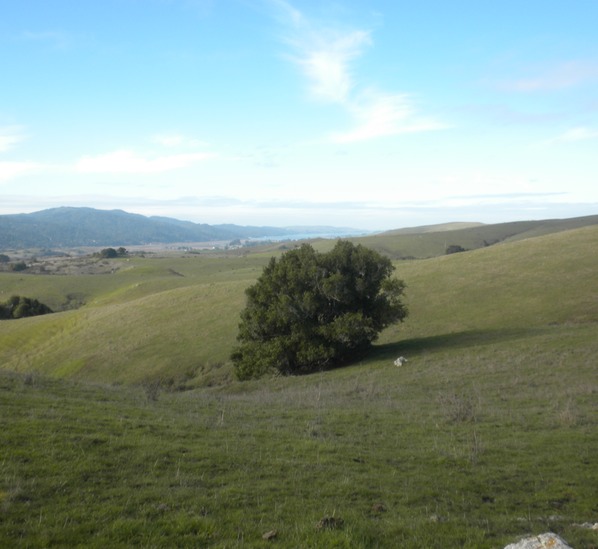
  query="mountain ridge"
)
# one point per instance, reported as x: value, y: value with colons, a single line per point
x: 65, y: 227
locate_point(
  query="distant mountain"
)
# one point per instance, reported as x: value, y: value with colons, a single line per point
x: 71, y: 227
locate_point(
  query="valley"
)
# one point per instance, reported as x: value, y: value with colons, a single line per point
x: 123, y: 424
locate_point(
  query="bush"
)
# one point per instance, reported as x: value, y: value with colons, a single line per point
x: 19, y: 266
x: 309, y: 311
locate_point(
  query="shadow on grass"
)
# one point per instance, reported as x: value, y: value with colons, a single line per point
x: 457, y: 340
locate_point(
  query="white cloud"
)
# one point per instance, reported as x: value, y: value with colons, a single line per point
x: 577, y: 134
x: 327, y: 65
x: 325, y: 56
x: 378, y: 115
x: 10, y: 170
x: 124, y: 161
x: 10, y: 136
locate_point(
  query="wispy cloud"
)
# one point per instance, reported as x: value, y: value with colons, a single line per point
x: 557, y: 77
x: 382, y: 114
x: 325, y: 55
x: 56, y: 39
x: 10, y: 170
x: 577, y: 134
x: 326, y: 63
x: 10, y: 136
x: 125, y: 161
x: 177, y: 140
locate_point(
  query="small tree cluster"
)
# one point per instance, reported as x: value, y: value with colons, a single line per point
x: 111, y: 253
x: 20, y: 307
x: 18, y: 266
x: 310, y: 310
x: 454, y: 249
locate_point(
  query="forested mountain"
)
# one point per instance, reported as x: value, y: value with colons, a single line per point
x: 67, y: 227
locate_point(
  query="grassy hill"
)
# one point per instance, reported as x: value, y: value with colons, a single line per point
x: 157, y: 317
x: 174, y: 317
x: 487, y: 434
x: 432, y: 241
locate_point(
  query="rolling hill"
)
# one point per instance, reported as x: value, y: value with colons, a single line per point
x: 486, y: 434
x: 432, y: 241
x: 177, y: 316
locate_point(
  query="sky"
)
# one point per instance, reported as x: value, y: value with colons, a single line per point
x: 368, y: 114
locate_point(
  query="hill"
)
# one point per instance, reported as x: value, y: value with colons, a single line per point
x: 438, y: 228
x: 487, y: 433
x: 432, y: 240
x: 176, y: 316
x: 73, y: 227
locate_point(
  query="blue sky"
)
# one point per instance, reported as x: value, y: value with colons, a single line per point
x: 376, y: 115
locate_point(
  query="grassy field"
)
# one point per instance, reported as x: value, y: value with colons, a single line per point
x: 487, y: 434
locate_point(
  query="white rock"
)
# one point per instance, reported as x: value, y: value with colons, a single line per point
x: 588, y: 525
x: 542, y: 541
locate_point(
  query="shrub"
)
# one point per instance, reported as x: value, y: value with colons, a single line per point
x: 19, y: 266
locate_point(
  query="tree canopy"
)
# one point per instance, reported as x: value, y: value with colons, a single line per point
x: 310, y: 311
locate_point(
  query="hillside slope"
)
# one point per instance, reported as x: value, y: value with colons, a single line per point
x: 486, y: 435
x: 176, y: 318
x: 432, y: 241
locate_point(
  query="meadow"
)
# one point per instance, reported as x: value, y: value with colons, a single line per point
x: 122, y: 424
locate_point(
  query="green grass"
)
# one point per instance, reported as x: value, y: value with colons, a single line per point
x: 487, y: 434
x: 467, y: 446
x: 432, y: 243
x: 169, y: 318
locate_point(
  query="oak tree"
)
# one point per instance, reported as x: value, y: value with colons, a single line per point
x: 310, y: 311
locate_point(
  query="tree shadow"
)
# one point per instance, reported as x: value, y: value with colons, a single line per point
x: 456, y: 340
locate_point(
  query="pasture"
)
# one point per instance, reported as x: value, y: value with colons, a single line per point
x: 122, y: 424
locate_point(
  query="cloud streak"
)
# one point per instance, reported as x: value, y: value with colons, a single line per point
x: 56, y: 39
x: 125, y: 161
x: 325, y: 57
x: 176, y: 140
x: 382, y: 114
x: 566, y: 75
x: 9, y: 137
x: 577, y: 134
